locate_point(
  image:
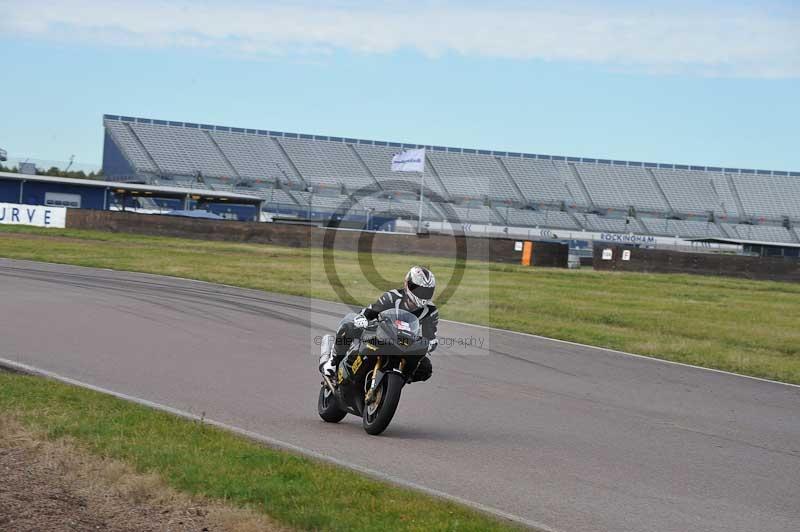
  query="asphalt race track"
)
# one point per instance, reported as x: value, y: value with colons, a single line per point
x: 568, y: 436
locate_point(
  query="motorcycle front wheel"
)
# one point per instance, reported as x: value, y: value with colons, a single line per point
x: 379, y: 414
x: 328, y: 407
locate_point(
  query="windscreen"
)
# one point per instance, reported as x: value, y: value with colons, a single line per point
x: 403, y: 321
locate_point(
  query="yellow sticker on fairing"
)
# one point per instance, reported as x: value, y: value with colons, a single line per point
x: 357, y: 364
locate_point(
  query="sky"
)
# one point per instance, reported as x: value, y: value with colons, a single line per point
x: 706, y: 82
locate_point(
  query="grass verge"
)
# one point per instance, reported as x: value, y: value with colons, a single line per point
x: 748, y: 327
x: 203, y: 461
x: 57, y: 486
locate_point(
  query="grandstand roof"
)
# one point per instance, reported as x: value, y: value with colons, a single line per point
x: 135, y: 187
x: 447, y: 149
x: 742, y: 242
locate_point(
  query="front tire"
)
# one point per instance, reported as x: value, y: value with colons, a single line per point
x: 328, y: 406
x: 378, y: 416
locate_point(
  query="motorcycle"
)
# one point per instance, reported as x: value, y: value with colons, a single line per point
x: 370, y: 377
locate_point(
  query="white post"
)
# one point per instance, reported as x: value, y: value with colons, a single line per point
x: 421, y: 189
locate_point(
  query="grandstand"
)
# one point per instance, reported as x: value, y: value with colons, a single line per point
x: 301, y: 174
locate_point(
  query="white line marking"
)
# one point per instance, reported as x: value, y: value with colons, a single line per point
x: 616, y: 352
x: 531, y: 335
x: 278, y: 444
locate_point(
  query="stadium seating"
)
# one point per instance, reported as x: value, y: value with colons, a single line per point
x: 681, y: 228
x: 480, y: 214
x: 378, y: 160
x: 593, y: 222
x: 545, y: 182
x: 331, y: 163
x: 254, y: 157
x: 543, y: 218
x: 762, y: 233
x: 621, y: 187
x: 470, y: 175
x: 131, y: 147
x: 772, y: 197
x: 402, y: 208
x: 696, y: 192
x: 281, y: 197
x: 182, y: 151
x: 318, y: 201
x: 461, y: 185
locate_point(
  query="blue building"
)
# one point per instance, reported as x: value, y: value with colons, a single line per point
x: 107, y: 195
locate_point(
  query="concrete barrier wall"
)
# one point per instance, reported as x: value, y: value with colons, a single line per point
x: 472, y: 248
x: 664, y: 261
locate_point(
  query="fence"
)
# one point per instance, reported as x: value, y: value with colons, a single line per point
x: 471, y: 248
x: 629, y: 259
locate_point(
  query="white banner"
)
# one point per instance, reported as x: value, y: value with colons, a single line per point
x: 409, y: 161
x: 38, y: 215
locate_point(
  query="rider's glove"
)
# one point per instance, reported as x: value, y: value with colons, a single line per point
x: 360, y: 321
x: 432, y: 345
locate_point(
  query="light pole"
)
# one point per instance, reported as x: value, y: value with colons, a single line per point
x: 421, y: 190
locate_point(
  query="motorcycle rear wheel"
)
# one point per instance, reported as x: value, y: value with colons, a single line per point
x: 376, y: 418
x: 328, y: 407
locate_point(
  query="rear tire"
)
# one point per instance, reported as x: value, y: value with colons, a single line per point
x: 377, y: 422
x: 328, y: 406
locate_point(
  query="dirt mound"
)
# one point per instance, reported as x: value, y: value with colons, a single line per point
x: 55, y: 486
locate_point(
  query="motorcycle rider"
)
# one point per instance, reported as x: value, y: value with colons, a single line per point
x: 415, y: 297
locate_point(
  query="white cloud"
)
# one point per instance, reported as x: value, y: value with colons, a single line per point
x: 697, y: 39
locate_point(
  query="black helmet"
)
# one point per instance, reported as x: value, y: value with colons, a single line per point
x: 419, y: 286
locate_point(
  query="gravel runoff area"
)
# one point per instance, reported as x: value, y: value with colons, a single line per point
x: 56, y: 486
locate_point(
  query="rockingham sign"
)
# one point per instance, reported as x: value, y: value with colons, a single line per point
x: 38, y: 215
x: 630, y: 238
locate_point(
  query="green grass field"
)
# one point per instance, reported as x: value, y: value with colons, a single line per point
x: 748, y: 327
x: 201, y: 460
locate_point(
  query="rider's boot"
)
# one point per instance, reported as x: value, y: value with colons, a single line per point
x: 327, y: 362
x: 332, y: 352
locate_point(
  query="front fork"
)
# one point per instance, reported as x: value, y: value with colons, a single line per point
x: 370, y: 397
x: 376, y: 379
x: 328, y: 383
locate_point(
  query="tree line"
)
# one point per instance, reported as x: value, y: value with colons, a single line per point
x: 55, y: 171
